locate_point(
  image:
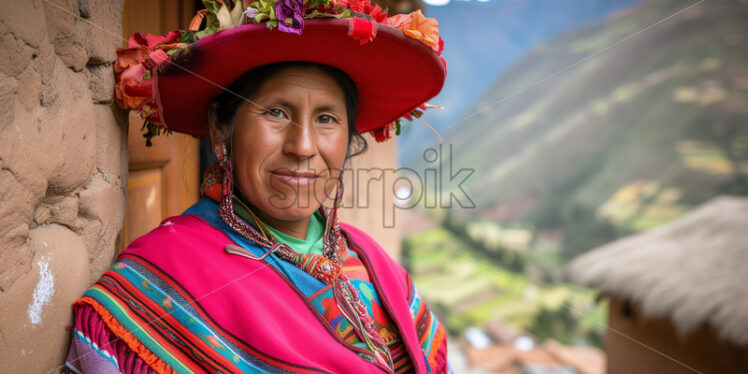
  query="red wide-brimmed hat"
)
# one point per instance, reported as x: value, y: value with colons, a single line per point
x: 395, y: 62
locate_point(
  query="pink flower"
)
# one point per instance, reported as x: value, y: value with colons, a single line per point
x: 250, y: 13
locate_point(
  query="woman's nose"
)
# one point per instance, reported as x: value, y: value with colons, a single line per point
x: 301, y: 140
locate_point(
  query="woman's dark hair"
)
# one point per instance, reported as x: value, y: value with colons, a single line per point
x: 248, y: 83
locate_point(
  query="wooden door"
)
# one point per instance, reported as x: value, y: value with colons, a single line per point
x: 163, y: 179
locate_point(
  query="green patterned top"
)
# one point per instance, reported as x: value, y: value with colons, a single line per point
x: 312, y: 243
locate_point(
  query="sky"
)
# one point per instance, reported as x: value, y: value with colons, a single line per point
x: 481, y: 40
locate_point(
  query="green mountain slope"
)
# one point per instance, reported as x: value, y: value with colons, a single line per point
x: 623, y: 141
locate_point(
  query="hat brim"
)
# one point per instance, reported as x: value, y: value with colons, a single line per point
x: 393, y: 73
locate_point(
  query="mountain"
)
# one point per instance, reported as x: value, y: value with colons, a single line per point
x: 482, y: 39
x: 613, y: 127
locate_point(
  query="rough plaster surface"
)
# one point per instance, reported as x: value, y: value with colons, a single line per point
x: 63, y: 169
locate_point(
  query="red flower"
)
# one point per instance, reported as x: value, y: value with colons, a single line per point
x: 375, y: 12
x: 363, y: 6
x: 143, y: 53
x: 150, y: 41
x: 129, y: 71
x: 354, y: 5
x: 381, y: 133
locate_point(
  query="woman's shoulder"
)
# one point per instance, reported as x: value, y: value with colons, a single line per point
x: 176, y: 236
x: 178, y: 228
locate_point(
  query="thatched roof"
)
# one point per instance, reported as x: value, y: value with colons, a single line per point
x: 693, y: 270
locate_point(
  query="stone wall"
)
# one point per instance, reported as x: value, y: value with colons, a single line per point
x: 63, y: 168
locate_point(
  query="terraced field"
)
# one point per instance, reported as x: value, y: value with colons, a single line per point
x: 468, y: 291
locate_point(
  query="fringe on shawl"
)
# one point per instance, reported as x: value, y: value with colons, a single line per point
x: 121, y: 332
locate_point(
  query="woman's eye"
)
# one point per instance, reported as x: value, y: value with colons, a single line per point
x: 276, y: 113
x: 325, y: 119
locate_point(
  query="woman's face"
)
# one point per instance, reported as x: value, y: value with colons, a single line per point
x: 290, y: 142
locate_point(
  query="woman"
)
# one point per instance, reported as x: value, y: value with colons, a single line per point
x: 258, y: 276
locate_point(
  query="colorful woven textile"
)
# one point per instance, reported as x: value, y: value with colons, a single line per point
x: 175, y: 301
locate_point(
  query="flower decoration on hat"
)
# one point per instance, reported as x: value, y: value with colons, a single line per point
x: 137, y: 65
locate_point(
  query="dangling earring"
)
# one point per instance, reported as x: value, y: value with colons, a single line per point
x: 334, y: 242
x: 224, y: 162
x: 226, y: 207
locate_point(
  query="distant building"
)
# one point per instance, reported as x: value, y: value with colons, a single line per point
x: 502, y: 333
x: 548, y: 358
x: 678, y: 293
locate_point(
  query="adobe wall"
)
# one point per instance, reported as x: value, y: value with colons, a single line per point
x: 63, y: 168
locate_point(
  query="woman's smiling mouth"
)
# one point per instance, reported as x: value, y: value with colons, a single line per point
x: 296, y: 177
